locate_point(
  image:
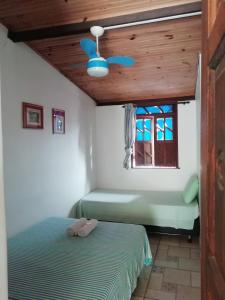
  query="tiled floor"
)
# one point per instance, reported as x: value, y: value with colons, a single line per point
x: 175, y: 274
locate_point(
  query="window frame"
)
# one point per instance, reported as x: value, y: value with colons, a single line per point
x: 154, y: 116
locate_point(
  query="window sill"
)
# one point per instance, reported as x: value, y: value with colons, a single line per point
x: 155, y: 167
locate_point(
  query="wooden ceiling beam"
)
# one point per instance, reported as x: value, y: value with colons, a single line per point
x: 84, y: 27
x: 143, y: 102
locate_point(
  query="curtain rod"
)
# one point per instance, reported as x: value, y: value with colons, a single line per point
x: 178, y: 102
x: 156, y: 20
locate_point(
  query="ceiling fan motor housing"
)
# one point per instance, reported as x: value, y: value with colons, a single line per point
x: 97, y: 67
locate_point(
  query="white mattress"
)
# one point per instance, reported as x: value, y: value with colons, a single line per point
x: 166, y: 209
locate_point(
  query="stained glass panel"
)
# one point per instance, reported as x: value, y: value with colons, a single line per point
x: 139, y: 124
x: 139, y: 136
x: 169, y: 123
x: 154, y: 109
x: 140, y: 111
x: 148, y: 124
x: 169, y: 129
x: 168, y: 135
x: 160, y: 123
x: 166, y: 108
x: 147, y: 136
x: 160, y: 129
x: 143, y: 129
x: 139, y: 129
x: 160, y: 135
x: 147, y: 130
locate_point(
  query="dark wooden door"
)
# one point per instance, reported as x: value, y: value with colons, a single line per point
x: 213, y: 151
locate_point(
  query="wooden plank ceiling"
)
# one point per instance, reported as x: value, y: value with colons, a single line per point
x: 165, y: 53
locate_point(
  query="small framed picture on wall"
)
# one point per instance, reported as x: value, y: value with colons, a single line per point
x: 58, y: 121
x: 32, y: 116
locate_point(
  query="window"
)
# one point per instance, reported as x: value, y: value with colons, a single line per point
x: 156, y: 136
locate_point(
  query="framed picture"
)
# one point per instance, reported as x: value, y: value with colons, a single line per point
x: 58, y: 121
x: 32, y: 116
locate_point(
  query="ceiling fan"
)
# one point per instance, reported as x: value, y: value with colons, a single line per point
x: 98, y: 66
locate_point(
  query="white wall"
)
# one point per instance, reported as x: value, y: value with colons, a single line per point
x: 110, y: 154
x: 3, y: 255
x: 44, y: 174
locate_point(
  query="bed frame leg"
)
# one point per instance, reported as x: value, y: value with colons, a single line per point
x: 189, y: 238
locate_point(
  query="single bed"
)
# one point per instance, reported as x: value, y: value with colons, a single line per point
x: 45, y: 264
x: 164, y: 209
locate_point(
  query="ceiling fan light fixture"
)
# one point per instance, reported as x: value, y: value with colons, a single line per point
x: 97, y: 67
x: 97, y: 71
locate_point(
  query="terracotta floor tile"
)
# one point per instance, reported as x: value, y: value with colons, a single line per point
x: 169, y: 240
x: 158, y: 269
x: 155, y: 282
x: 141, y: 287
x: 195, y: 253
x: 169, y: 262
x: 160, y: 295
x: 163, y: 246
x: 175, y: 271
x: 195, y: 279
x: 184, y: 242
x: 161, y: 254
x: 154, y: 248
x: 188, y: 293
x: 189, y: 264
x: 139, y: 292
x: 145, y: 273
x: 169, y: 287
x: 177, y: 276
x: 136, y: 298
x: 179, y: 251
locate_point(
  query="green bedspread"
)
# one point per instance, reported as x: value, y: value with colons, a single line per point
x: 45, y: 264
x: 159, y: 208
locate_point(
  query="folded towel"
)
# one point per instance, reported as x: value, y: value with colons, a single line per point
x: 87, y: 228
x: 75, y: 227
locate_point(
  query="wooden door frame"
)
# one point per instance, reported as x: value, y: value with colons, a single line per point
x: 213, y: 46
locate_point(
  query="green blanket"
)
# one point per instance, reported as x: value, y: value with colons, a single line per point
x: 45, y: 264
x: 159, y: 208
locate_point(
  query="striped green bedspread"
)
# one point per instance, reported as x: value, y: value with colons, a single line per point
x: 45, y: 264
